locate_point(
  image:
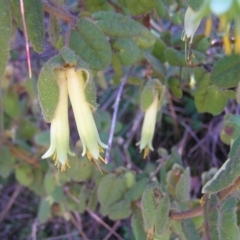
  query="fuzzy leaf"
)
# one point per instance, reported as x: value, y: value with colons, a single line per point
x: 145, y: 39
x: 215, y: 101
x: 81, y: 169
x: 228, y: 173
x: 116, y: 25
x: 162, y: 215
x: 137, y: 225
x: 182, y: 190
x: 127, y: 51
x: 148, y: 207
x: 88, y: 41
x: 189, y: 230
x: 228, y: 228
x: 44, y: 211
x: 33, y: 10
x: 137, y: 190
x: 120, y: 210
x: 5, y: 162
x: 211, y: 217
x: 195, y: 4
x: 226, y: 72
x: 111, y: 184
x: 6, y: 26
x: 138, y: 7
x: 48, y: 91
x: 174, y: 57
x: 24, y: 175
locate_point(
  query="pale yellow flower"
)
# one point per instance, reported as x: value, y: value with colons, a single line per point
x: 92, y: 145
x: 59, y: 131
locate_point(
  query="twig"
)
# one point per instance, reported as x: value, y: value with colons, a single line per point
x: 114, y: 118
x: 99, y: 220
x: 26, y: 37
x: 115, y: 226
x: 15, y: 194
x: 161, y: 162
x: 58, y: 12
x: 78, y: 227
x: 199, y: 210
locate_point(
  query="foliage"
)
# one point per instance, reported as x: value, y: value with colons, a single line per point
x: 96, y: 49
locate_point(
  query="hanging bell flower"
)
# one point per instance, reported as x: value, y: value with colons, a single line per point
x: 59, y: 130
x: 77, y: 85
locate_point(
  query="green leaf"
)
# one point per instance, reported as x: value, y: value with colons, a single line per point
x: 156, y: 64
x: 162, y: 215
x: 215, y: 101
x: 182, y: 190
x: 189, y: 230
x: 96, y: 5
x: 127, y: 51
x: 43, y: 138
x: 230, y: 128
x: 116, y: 25
x: 195, y: 4
x: 44, y: 211
x: 175, y: 87
x: 226, y: 72
x: 24, y: 175
x: 228, y: 173
x: 93, y: 200
x: 57, y: 194
x: 148, y: 207
x: 174, y: 57
x: 6, y: 162
x: 37, y: 186
x: 160, y: 9
x: 6, y: 28
x: 138, y: 7
x: 120, y: 210
x: 48, y: 91
x: 116, y: 64
x: 111, y: 184
x: 147, y: 95
x: 34, y: 21
x: 158, y: 50
x: 211, y: 218
x: 228, y: 228
x: 145, y: 39
x: 54, y: 32
x: 88, y: 41
x: 83, y: 196
x: 49, y: 182
x: 80, y: 169
x: 137, y: 225
x: 11, y: 104
x: 137, y: 190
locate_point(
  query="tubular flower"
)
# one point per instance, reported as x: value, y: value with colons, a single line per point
x: 59, y: 131
x: 149, y: 127
x: 87, y: 130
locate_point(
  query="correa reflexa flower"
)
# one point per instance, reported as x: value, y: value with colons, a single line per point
x: 92, y: 145
x: 149, y: 126
x: 59, y: 147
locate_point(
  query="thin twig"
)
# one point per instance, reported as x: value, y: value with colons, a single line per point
x: 99, y: 220
x: 58, y: 12
x: 15, y: 194
x: 115, y: 226
x: 26, y: 37
x: 78, y: 227
x: 114, y: 118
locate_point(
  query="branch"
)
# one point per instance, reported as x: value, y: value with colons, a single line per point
x: 199, y: 210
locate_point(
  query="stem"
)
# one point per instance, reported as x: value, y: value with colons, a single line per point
x: 58, y: 12
x: 199, y: 210
x: 114, y: 119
